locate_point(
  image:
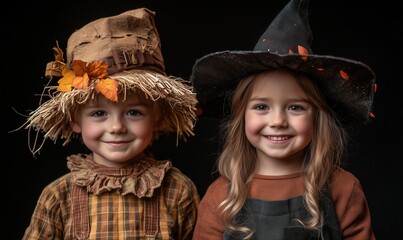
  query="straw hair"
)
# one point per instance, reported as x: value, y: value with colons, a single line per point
x: 176, y: 98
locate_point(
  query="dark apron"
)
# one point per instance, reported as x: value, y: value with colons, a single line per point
x: 275, y: 220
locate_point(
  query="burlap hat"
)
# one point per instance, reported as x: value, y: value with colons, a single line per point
x: 110, y: 56
x: 348, y: 85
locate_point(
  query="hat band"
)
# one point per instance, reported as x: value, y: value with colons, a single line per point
x: 123, y: 60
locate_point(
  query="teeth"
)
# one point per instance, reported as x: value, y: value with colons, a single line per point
x: 278, y: 138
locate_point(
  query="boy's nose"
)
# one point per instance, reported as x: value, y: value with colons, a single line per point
x: 117, y: 125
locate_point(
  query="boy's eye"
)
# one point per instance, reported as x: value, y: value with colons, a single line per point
x: 98, y: 114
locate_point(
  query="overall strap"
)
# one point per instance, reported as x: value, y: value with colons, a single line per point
x: 151, y: 216
x: 81, y: 225
x: 331, y: 229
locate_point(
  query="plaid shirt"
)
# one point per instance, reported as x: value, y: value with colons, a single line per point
x: 111, y: 202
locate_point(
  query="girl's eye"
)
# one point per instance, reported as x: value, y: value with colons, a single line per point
x: 296, y: 108
x: 261, y: 107
x: 134, y: 112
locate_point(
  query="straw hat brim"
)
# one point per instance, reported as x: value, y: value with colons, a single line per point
x: 177, y: 99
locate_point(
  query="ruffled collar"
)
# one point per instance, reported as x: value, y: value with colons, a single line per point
x: 140, y: 178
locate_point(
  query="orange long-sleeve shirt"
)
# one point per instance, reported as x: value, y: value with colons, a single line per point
x: 347, y: 194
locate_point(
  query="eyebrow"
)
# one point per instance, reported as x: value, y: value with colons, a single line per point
x: 268, y: 99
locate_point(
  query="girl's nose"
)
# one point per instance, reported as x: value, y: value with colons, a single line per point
x: 277, y: 119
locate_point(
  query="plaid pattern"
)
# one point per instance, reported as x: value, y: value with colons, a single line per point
x: 116, y: 216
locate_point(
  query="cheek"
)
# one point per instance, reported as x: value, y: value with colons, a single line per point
x: 253, y: 125
x: 90, y: 131
x: 304, y: 127
x: 143, y: 130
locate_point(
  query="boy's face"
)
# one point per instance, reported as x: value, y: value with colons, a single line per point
x: 116, y: 132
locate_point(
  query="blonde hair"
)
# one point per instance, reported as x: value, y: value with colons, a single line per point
x: 238, y: 158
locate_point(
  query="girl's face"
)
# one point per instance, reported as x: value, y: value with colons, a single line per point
x: 278, y: 123
x: 116, y: 132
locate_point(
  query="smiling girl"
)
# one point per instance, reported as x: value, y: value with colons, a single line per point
x: 284, y: 110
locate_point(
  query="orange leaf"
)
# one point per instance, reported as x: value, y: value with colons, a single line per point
x: 64, y: 87
x: 80, y: 82
x: 79, y: 67
x: 66, y: 81
x: 108, y: 88
x: 66, y: 71
x: 97, y: 69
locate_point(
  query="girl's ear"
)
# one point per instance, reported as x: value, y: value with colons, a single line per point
x: 75, y: 127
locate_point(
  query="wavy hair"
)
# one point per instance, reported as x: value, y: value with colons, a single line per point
x: 237, y: 161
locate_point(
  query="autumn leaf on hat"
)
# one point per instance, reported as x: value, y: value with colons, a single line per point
x: 83, y: 74
x: 67, y: 79
x: 108, y: 88
x: 80, y: 82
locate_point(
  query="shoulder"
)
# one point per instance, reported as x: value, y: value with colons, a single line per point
x: 347, y: 194
x: 176, y: 176
x: 216, y: 192
x: 166, y: 175
x: 343, y: 183
x: 58, y: 190
x: 350, y: 205
x: 179, y: 191
x: 220, y: 184
x: 61, y: 183
x: 176, y: 180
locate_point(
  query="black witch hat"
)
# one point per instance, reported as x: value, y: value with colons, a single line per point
x: 348, y: 85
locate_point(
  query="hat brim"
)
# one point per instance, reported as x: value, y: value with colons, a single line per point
x: 216, y: 75
x: 178, y: 104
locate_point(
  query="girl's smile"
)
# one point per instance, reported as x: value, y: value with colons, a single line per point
x: 278, y: 121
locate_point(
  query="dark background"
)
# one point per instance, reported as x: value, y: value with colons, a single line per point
x: 360, y: 30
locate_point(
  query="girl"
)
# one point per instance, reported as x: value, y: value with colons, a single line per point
x: 284, y: 137
x: 115, y: 94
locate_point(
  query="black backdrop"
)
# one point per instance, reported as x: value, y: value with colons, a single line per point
x: 360, y: 30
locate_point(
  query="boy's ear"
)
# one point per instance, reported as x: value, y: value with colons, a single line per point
x: 75, y: 127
